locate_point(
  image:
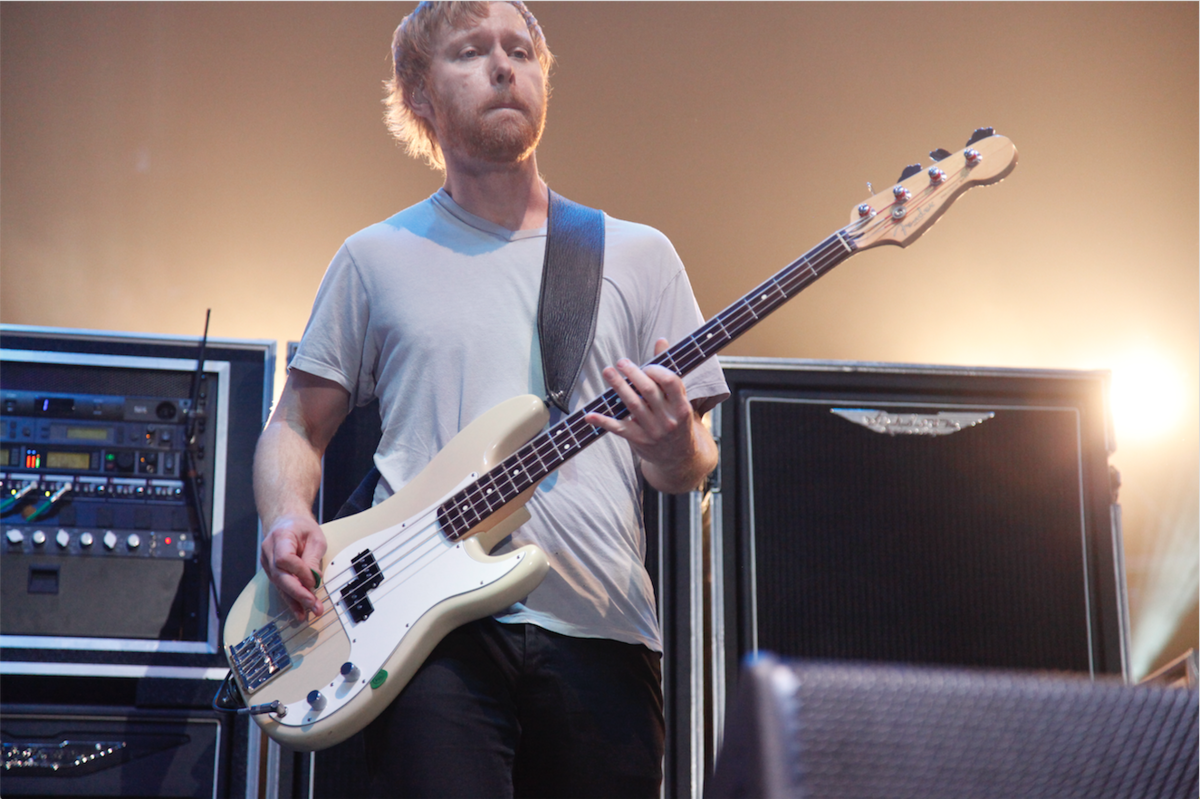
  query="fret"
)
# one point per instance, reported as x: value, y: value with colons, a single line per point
x: 564, y: 438
x: 489, y: 494
x: 543, y: 469
x: 516, y: 472
x: 695, y: 355
x: 667, y: 359
x: 504, y: 471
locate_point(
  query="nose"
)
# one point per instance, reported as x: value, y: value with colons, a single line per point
x: 501, y: 67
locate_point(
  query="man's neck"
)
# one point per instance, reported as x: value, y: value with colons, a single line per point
x: 510, y: 195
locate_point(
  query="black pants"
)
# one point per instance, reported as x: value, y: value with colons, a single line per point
x: 503, y: 710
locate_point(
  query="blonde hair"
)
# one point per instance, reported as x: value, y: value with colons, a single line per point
x: 412, y: 52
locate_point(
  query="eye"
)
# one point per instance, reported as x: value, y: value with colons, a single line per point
x: 468, y: 52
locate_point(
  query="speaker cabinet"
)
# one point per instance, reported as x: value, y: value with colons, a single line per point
x: 910, y: 514
x: 813, y: 730
x: 919, y: 515
x: 57, y: 750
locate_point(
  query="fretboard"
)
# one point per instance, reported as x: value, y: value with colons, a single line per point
x: 547, y: 451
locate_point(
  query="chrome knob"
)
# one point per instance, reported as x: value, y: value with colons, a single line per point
x: 350, y: 672
x: 86, y: 539
x: 39, y: 538
x: 63, y: 539
x: 316, y: 700
x: 15, y: 537
x: 110, y: 540
x: 133, y: 541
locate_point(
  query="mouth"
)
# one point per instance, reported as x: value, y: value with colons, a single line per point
x: 510, y: 104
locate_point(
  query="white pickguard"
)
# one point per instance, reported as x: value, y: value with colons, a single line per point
x: 425, y: 570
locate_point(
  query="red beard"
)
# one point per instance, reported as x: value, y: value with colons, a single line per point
x: 493, y: 137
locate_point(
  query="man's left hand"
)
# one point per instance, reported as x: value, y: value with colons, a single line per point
x: 662, y: 427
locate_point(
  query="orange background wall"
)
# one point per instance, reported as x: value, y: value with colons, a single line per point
x: 161, y: 159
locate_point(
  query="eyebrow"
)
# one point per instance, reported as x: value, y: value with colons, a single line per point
x: 460, y: 36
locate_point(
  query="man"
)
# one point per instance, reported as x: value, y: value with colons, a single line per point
x: 433, y: 312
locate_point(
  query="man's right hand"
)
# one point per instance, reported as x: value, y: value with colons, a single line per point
x: 287, y: 474
x: 291, y: 557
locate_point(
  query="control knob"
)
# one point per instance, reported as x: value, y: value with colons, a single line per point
x: 38, y: 537
x: 15, y: 537
x: 316, y: 700
x: 133, y: 541
x: 110, y: 540
x: 350, y: 672
x: 86, y: 539
x: 63, y: 539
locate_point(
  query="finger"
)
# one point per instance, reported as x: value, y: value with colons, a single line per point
x: 628, y: 394
x: 606, y: 423
x: 295, y: 578
x: 299, y: 599
x: 670, y: 385
x: 646, y: 387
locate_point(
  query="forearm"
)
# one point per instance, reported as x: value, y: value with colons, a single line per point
x: 687, y: 468
x: 287, y: 474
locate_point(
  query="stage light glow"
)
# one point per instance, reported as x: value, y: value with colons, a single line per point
x: 1147, y: 396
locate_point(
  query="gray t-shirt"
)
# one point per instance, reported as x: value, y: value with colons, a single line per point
x: 433, y: 311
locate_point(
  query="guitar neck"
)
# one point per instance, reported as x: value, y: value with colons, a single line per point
x: 545, y: 452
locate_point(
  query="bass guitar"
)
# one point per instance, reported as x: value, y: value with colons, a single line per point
x: 399, y: 576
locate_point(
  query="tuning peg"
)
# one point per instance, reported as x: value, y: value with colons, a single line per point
x: 980, y: 133
x: 909, y: 171
x: 939, y: 154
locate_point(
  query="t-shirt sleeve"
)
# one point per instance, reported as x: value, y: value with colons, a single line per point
x: 676, y: 317
x: 336, y: 344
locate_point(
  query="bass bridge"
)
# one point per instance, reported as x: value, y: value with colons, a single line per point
x: 259, y: 657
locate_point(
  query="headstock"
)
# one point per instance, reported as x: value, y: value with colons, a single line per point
x: 901, y: 214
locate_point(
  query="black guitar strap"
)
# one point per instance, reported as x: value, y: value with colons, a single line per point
x: 570, y: 294
x: 567, y: 306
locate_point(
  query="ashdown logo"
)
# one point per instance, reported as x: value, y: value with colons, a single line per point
x: 942, y: 423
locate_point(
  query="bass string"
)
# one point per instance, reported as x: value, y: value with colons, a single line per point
x: 319, y: 624
x: 387, y: 560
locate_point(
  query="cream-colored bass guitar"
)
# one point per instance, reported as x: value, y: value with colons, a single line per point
x: 401, y: 575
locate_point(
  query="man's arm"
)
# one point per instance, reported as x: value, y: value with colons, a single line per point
x: 665, y: 431
x: 287, y: 474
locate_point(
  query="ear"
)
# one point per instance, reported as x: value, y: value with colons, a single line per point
x: 420, y: 104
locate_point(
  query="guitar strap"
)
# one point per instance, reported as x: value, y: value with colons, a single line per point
x: 570, y: 294
x: 567, y: 310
